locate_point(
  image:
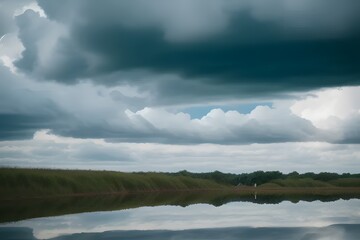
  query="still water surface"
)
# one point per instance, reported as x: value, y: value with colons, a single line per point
x: 235, y: 220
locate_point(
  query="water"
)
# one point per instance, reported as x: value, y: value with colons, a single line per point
x: 234, y: 220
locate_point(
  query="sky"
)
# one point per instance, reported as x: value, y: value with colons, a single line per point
x: 167, y: 85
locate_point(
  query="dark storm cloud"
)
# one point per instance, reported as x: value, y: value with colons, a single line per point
x: 21, y: 126
x: 173, y: 53
x: 260, y: 50
x: 226, y: 60
x: 36, y: 34
x: 23, y: 111
x: 26, y: 108
x: 7, y: 8
x: 351, y: 130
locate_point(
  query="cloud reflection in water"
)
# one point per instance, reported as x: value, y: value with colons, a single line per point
x: 199, y: 216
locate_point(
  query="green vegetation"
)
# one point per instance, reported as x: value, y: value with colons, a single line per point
x: 28, y: 183
x: 293, y: 179
x: 346, y: 182
x: 300, y: 182
x: 24, y: 183
x: 28, y: 193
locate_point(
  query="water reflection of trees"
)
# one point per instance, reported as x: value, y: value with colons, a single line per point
x: 26, y: 209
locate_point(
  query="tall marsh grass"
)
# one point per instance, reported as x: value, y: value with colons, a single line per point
x: 45, y: 182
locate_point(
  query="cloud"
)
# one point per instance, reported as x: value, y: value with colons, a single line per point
x: 8, y: 9
x: 10, y: 50
x: 27, y: 106
x: 335, y: 110
x: 22, y: 110
x: 186, y: 20
x: 251, y: 46
x: 134, y: 70
x: 49, y: 150
x: 320, y: 18
x: 120, y: 114
x: 108, y: 84
x: 262, y: 125
x: 47, y: 53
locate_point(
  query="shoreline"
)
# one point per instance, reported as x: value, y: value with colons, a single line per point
x: 47, y: 206
x: 244, y: 190
x: 45, y: 183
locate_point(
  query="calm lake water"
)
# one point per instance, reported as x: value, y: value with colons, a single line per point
x: 235, y: 220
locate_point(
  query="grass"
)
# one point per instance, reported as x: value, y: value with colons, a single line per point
x: 16, y: 183
x: 28, y: 193
x: 24, y: 183
x: 301, y: 182
x: 346, y: 182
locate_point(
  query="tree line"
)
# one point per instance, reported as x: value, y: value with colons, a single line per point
x: 261, y: 177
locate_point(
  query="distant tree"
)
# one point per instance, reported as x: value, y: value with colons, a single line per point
x: 293, y: 174
x: 326, y: 176
x: 261, y: 177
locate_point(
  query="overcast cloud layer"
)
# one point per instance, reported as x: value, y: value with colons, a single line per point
x: 126, y: 72
x: 258, y: 46
x: 47, y: 150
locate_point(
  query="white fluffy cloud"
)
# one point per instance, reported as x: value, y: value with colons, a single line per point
x: 263, y: 124
x: 330, y: 115
x: 325, y: 107
x: 10, y: 50
x: 335, y: 110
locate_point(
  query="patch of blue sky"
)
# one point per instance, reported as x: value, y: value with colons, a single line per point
x: 244, y: 108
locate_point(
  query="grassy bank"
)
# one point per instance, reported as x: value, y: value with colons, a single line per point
x: 28, y: 193
x: 25, y: 183
x: 308, y: 182
x: 29, y: 183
